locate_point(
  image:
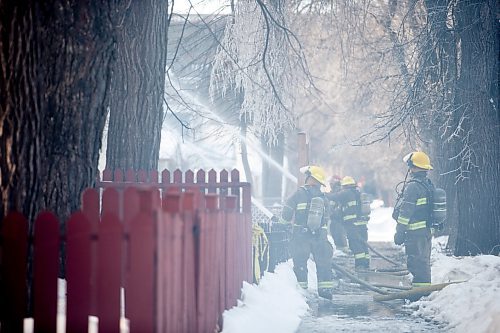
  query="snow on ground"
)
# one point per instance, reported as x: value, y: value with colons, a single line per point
x: 472, y: 306
x: 381, y: 226
x: 277, y: 304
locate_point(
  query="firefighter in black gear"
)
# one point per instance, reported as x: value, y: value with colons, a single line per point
x: 355, y: 223
x: 337, y: 229
x: 308, y: 207
x: 412, y: 212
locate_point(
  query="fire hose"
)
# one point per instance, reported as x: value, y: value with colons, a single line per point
x: 381, y: 255
x: 354, y: 278
x: 407, y: 293
x: 377, y: 252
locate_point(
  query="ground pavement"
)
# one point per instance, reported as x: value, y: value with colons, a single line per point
x: 352, y: 308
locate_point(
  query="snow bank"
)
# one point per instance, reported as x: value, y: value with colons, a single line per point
x: 472, y: 306
x: 276, y: 304
x: 381, y: 227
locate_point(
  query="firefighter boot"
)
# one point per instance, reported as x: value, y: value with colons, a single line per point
x: 325, y: 289
x: 325, y: 293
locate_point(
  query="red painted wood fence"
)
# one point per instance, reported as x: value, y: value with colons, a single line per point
x: 180, y: 248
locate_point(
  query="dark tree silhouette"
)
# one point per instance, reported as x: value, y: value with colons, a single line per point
x: 138, y: 82
x: 55, y: 74
x: 54, y: 81
x: 477, y: 136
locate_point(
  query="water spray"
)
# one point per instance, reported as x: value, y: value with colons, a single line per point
x: 195, y: 100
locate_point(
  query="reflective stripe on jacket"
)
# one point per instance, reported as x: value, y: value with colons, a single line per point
x: 414, y: 210
x: 298, y: 205
x: 348, y: 200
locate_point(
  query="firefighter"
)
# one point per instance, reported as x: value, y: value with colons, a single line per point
x: 412, y: 213
x: 355, y: 222
x: 308, y: 208
x: 337, y: 229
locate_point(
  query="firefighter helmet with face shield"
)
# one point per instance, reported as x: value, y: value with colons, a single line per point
x: 418, y: 159
x: 315, y: 172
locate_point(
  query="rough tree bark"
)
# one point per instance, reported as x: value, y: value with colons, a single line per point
x: 138, y: 80
x: 477, y: 137
x: 439, y: 67
x: 54, y: 78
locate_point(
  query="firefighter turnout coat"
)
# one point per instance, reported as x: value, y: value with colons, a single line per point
x: 337, y: 229
x: 413, y: 229
x: 355, y: 224
x: 306, y: 241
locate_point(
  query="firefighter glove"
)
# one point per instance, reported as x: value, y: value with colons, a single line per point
x: 399, y: 238
x: 395, y: 213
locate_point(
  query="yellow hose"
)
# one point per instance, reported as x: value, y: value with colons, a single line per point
x: 260, y: 249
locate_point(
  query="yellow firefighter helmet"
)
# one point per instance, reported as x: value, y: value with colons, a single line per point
x: 418, y: 159
x: 315, y: 172
x: 347, y: 180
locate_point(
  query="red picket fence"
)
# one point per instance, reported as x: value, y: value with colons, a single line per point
x: 180, y: 250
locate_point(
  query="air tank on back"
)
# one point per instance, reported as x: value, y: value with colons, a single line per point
x: 316, y: 211
x: 439, y: 208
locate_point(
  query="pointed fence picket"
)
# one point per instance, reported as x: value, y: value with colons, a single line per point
x: 109, y: 273
x: 13, y: 297
x: 189, y: 270
x: 78, y: 273
x: 45, y: 269
x: 91, y: 211
x: 179, y: 248
x: 206, y: 182
x: 140, y: 275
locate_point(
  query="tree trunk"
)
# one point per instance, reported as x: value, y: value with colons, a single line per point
x: 55, y: 62
x: 439, y: 66
x: 478, y: 139
x: 138, y: 82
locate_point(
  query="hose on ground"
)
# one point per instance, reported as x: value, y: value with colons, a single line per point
x: 351, y: 276
x: 381, y: 255
x: 375, y: 251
